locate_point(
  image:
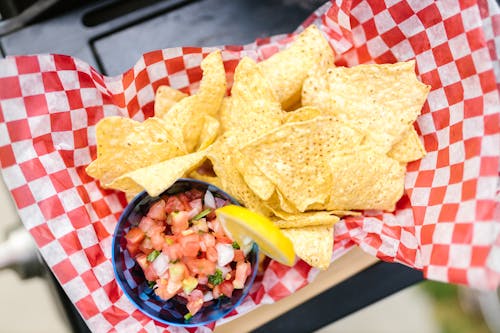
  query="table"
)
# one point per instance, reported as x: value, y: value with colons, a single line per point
x: 100, y: 34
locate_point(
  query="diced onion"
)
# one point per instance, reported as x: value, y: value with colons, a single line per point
x: 225, y: 253
x: 209, y: 200
x: 160, y: 264
x: 220, y: 202
x: 208, y: 296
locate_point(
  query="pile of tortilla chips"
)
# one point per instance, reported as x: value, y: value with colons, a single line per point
x: 299, y: 140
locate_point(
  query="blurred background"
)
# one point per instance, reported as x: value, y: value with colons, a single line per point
x: 99, y: 32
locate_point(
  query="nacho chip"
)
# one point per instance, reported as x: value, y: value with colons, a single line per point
x: 306, y: 219
x: 253, y: 108
x: 209, y: 132
x: 93, y: 169
x: 214, y: 180
x: 277, y: 203
x: 165, y: 98
x: 231, y: 180
x: 255, y: 179
x: 365, y: 180
x: 124, y: 145
x: 189, y: 113
x: 409, y: 148
x: 287, y: 70
x: 294, y: 157
x: 381, y: 101
x: 156, y: 178
x: 314, y: 245
x: 302, y: 114
x: 342, y: 213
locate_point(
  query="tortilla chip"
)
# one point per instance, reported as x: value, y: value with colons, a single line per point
x: 342, y: 213
x: 158, y: 177
x: 381, y: 101
x: 209, y: 132
x: 287, y: 70
x: 314, y: 245
x: 189, y: 113
x: 255, y: 179
x: 294, y: 157
x: 93, y: 169
x: 124, y: 145
x: 225, y: 114
x: 302, y: 114
x: 409, y: 148
x: 306, y: 219
x: 253, y: 108
x: 277, y: 203
x: 365, y: 180
x: 231, y: 180
x: 165, y: 98
x: 214, y: 180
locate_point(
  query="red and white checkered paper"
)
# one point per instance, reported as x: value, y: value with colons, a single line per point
x: 447, y: 223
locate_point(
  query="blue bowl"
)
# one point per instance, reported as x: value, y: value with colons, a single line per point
x: 133, y: 283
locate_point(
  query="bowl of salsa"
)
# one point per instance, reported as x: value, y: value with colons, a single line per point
x: 173, y: 259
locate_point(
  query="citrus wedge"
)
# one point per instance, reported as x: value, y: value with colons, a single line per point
x: 242, y: 225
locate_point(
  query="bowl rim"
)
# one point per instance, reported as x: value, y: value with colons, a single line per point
x: 130, y: 206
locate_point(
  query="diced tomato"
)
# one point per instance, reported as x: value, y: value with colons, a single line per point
x: 202, y: 279
x: 133, y: 249
x: 150, y: 273
x: 142, y: 260
x: 216, y: 291
x: 226, y: 288
x: 194, y: 194
x: 201, y: 266
x: 180, y: 222
x: 157, y: 210
x: 134, y: 238
x: 173, y: 204
x: 242, y: 271
x: 146, y: 224
x: 239, y: 255
x: 195, y: 301
x: 208, y: 240
x: 212, y: 254
x: 161, y: 290
x: 223, y: 239
x: 185, y: 201
x: 196, y: 207
x: 211, y: 216
x: 174, y: 251
x: 146, y: 246
x: 166, y: 289
x: 157, y: 240
x: 190, y: 245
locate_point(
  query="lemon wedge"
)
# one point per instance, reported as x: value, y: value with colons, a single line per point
x: 242, y: 225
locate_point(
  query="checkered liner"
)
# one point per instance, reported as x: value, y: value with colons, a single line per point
x: 447, y: 223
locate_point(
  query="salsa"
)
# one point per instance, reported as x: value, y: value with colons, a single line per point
x: 183, y: 250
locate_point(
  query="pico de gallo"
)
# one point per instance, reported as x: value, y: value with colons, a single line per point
x: 183, y: 250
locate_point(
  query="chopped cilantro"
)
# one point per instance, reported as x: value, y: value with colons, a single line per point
x: 201, y: 214
x: 151, y: 284
x: 153, y: 255
x: 216, y: 278
x: 235, y: 245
